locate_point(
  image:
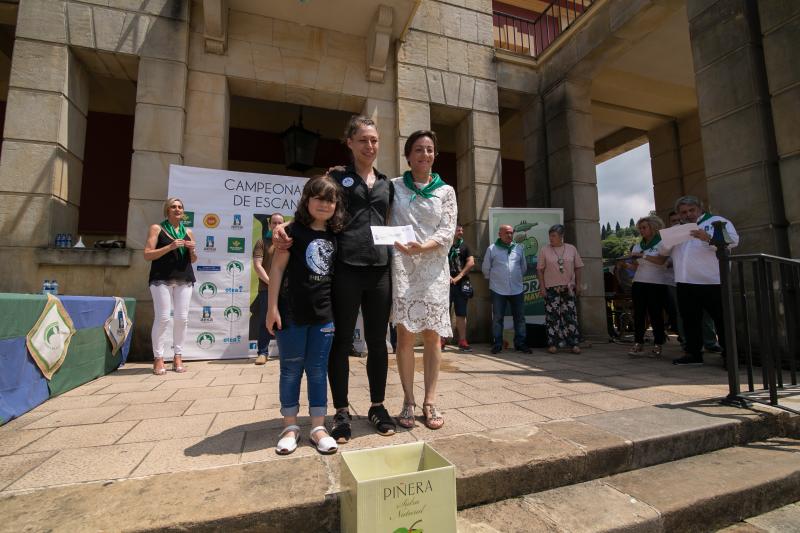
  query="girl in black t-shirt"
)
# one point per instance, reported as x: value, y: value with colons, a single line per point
x: 300, y: 313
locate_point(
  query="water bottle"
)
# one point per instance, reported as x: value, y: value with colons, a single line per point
x: 46, y: 286
x: 58, y: 240
x: 54, y: 287
x: 69, y: 240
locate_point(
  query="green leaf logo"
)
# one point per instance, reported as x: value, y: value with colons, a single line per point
x: 50, y: 331
x: 232, y: 313
x: 206, y: 340
x: 207, y: 290
x: 235, y: 267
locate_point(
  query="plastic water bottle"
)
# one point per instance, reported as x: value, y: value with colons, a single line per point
x: 69, y: 240
x: 54, y: 287
x: 58, y: 240
x: 46, y: 286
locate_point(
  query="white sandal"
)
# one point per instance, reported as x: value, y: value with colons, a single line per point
x: 288, y: 443
x: 327, y: 444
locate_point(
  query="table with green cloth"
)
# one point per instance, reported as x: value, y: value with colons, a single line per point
x: 22, y: 385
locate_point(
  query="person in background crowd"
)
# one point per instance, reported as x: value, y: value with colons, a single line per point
x: 504, y: 265
x: 461, y: 262
x: 300, y: 312
x: 559, y: 272
x: 671, y: 304
x: 170, y: 247
x: 420, y: 274
x: 262, y: 259
x: 363, y: 278
x: 649, y: 285
x: 697, y: 276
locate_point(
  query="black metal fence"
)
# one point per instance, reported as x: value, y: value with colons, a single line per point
x: 761, y: 302
x: 532, y: 37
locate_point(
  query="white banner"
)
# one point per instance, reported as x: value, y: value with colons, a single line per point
x: 227, y: 212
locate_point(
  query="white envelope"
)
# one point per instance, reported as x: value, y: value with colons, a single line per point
x: 388, y: 235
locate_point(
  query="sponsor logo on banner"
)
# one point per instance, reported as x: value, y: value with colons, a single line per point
x: 254, y: 346
x: 207, y: 290
x: 188, y: 219
x: 235, y: 245
x: 209, y: 268
x: 234, y: 290
x: 211, y: 220
x: 232, y: 313
x: 237, y: 222
x: 206, y: 317
x: 234, y: 267
x: 210, y: 246
x: 233, y: 340
x: 206, y: 340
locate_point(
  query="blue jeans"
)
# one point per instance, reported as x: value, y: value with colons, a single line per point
x: 304, y: 348
x: 517, y: 312
x: 263, y: 334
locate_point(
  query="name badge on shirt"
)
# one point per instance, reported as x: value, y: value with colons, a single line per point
x: 348, y: 182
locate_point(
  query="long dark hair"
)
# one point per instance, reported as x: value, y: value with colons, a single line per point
x: 325, y: 188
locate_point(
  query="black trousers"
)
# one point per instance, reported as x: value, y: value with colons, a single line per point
x: 692, y: 301
x: 371, y: 289
x: 648, y: 299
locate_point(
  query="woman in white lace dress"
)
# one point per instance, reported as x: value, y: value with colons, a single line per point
x: 420, y: 272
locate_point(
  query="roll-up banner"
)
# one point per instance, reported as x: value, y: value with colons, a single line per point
x: 227, y: 212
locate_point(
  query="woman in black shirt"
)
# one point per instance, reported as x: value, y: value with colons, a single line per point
x: 362, y: 278
x: 170, y: 247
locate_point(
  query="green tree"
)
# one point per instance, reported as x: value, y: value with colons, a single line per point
x: 631, y: 224
x: 617, y: 228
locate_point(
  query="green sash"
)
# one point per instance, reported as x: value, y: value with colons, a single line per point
x: 427, y: 190
x: 504, y: 246
x: 179, y: 234
x: 647, y: 245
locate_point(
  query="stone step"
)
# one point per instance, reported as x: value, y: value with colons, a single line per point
x: 696, y: 494
x: 288, y: 494
x: 784, y: 519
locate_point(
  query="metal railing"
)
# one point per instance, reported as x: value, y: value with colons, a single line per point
x: 761, y: 306
x: 532, y: 37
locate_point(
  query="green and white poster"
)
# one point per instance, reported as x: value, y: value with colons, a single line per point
x: 531, y: 227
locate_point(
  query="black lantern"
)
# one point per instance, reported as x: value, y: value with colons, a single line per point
x: 299, y: 146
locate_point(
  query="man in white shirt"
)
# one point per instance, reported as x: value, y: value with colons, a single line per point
x: 697, y: 277
x: 504, y: 265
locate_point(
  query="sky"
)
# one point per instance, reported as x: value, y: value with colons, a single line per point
x: 625, y: 187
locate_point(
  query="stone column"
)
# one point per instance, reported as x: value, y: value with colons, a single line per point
x: 157, y: 142
x: 736, y: 122
x: 666, y: 167
x: 480, y: 187
x: 780, y: 26
x: 44, y: 137
x: 412, y: 115
x: 573, y: 186
x: 534, y: 141
x: 207, y: 121
x: 384, y: 113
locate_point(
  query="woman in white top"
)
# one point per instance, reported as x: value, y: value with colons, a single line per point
x: 649, y: 285
x: 420, y: 271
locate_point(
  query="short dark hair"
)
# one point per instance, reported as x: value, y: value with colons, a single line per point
x: 325, y: 188
x: 418, y: 135
x: 355, y: 123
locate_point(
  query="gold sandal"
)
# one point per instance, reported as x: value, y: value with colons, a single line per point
x: 159, y: 370
x: 406, y: 417
x: 433, y: 420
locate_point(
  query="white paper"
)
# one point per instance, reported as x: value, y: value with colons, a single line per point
x: 388, y: 235
x: 677, y: 234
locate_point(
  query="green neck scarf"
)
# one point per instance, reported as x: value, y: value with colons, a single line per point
x: 647, y: 245
x: 427, y: 190
x: 179, y: 234
x: 504, y: 246
x: 455, y: 247
x: 705, y: 217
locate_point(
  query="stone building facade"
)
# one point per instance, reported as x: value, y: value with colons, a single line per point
x: 195, y: 78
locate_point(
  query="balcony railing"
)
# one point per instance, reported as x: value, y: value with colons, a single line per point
x: 532, y: 37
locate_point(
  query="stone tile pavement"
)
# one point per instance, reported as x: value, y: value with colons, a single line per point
x: 132, y: 423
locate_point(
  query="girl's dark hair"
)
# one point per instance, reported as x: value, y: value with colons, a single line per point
x: 417, y: 135
x: 325, y: 188
x: 356, y: 122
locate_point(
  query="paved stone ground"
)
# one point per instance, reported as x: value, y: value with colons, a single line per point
x: 132, y: 423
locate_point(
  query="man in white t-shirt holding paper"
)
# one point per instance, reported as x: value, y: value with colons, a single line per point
x: 697, y: 276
